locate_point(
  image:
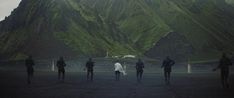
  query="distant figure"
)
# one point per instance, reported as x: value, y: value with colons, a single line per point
x: 61, y: 70
x: 53, y: 64
x: 167, y: 64
x: 224, y: 64
x: 139, y: 70
x: 29, y: 64
x: 118, y: 69
x: 89, y: 67
x: 189, y: 68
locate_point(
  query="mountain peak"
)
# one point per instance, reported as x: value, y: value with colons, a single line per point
x: 52, y: 28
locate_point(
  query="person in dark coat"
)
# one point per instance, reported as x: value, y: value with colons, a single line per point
x: 61, y: 70
x: 89, y: 66
x: 139, y: 69
x: 224, y: 64
x: 167, y: 64
x: 29, y: 63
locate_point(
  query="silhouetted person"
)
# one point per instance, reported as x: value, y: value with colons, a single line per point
x: 61, y: 70
x: 224, y: 64
x: 89, y: 67
x: 118, y: 69
x: 139, y: 70
x: 29, y: 63
x: 167, y: 64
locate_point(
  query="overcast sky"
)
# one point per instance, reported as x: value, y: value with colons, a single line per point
x: 6, y: 6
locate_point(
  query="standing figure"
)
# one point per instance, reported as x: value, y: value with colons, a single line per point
x: 167, y: 64
x: 61, y: 70
x: 224, y: 64
x: 89, y: 67
x: 118, y: 69
x: 29, y: 63
x: 139, y: 70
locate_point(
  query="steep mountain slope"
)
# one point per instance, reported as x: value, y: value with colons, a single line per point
x: 231, y: 2
x: 207, y: 24
x: 29, y: 31
x: 51, y: 28
x: 174, y: 45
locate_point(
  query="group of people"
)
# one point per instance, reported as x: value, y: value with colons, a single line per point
x: 29, y: 62
x: 167, y: 64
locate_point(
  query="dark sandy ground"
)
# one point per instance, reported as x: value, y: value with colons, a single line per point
x: 45, y: 85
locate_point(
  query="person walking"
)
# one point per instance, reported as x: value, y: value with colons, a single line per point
x: 167, y: 65
x: 224, y: 64
x: 118, y: 68
x: 139, y: 69
x: 89, y: 67
x: 29, y: 63
x: 61, y: 68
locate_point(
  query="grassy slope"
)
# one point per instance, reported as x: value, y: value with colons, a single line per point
x: 201, y: 26
x: 92, y: 27
x: 118, y: 28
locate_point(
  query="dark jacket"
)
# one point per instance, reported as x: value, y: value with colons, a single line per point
x: 89, y: 65
x: 61, y: 64
x: 29, y: 63
x: 167, y: 64
x: 224, y: 64
x: 139, y: 66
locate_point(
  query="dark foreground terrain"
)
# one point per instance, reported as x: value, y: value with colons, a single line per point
x: 45, y: 85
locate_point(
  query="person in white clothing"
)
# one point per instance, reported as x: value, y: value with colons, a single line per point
x: 118, y: 69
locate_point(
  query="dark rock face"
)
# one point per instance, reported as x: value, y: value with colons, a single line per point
x: 173, y: 45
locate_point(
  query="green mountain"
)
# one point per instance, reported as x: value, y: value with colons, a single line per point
x: 52, y: 28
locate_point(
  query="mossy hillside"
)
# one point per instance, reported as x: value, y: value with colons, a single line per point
x: 119, y: 27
